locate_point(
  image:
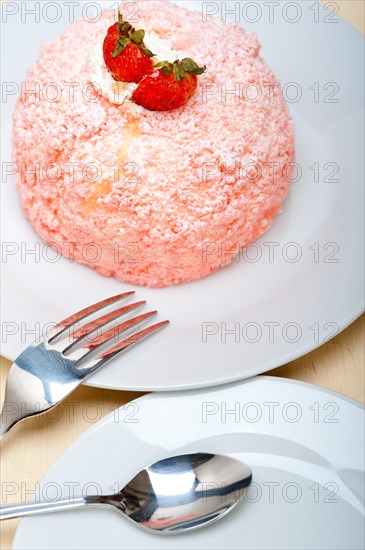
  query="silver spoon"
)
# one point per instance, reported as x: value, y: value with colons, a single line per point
x: 170, y: 496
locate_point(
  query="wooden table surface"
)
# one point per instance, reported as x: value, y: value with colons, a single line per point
x: 337, y: 365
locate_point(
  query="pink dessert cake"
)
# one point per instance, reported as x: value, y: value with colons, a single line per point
x: 153, y: 198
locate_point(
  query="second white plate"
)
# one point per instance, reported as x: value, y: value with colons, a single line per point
x: 304, y: 445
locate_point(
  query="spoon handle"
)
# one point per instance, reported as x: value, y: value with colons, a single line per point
x: 34, y: 508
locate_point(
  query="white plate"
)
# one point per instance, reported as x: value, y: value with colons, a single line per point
x: 307, y: 461
x: 308, y: 300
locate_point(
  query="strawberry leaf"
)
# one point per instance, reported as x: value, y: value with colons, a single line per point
x: 146, y: 51
x: 191, y: 67
x: 161, y: 64
x: 198, y: 71
x: 120, y: 45
x: 188, y: 63
x: 179, y: 71
x: 128, y: 34
x: 180, y: 68
x: 137, y: 36
x: 167, y: 69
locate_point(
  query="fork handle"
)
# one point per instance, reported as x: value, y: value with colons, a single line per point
x: 35, y: 508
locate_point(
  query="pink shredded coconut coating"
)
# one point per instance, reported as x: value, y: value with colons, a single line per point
x: 185, y: 190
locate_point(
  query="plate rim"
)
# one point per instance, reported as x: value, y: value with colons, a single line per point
x: 152, y: 396
x: 216, y: 383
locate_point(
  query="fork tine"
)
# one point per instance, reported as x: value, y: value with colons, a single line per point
x: 121, y: 346
x: 97, y: 341
x: 131, y: 340
x: 120, y: 328
x: 83, y: 332
x: 80, y: 315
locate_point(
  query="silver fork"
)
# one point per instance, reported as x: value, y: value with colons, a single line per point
x: 54, y: 365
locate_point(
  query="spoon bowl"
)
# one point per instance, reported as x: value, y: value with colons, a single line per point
x: 184, y: 492
x: 172, y: 495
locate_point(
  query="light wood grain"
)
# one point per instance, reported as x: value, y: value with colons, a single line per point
x: 38, y: 442
x: 353, y: 11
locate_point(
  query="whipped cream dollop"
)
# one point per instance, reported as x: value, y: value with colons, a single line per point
x: 121, y: 92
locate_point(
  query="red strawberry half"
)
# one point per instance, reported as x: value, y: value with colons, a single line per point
x: 125, y: 53
x: 169, y: 87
